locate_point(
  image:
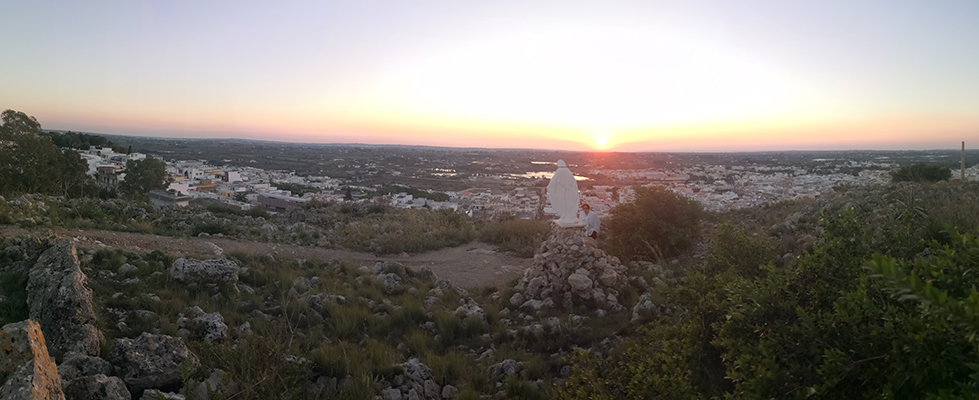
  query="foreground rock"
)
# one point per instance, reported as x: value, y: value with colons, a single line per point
x: 26, y: 369
x: 61, y: 302
x: 570, y: 269
x: 151, y: 361
x: 97, y: 387
x: 85, y: 377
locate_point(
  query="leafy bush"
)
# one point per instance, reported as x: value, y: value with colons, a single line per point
x: 819, y: 327
x: 921, y: 172
x: 660, y: 223
x: 733, y: 248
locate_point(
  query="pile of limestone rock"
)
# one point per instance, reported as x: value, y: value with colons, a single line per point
x: 569, y: 269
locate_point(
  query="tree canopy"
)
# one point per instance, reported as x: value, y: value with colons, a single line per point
x: 85, y: 141
x: 31, y: 163
x: 143, y: 176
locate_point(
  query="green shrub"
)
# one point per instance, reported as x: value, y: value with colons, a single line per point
x: 660, y: 223
x: 733, y: 248
x: 921, y: 172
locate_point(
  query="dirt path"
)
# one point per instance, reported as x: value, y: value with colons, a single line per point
x: 471, y: 265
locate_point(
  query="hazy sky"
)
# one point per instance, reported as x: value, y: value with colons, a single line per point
x: 644, y: 75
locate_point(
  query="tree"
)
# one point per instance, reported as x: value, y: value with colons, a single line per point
x: 142, y: 177
x: 74, y: 181
x: 31, y: 163
x: 660, y: 223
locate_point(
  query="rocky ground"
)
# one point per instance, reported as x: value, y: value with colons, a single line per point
x: 471, y: 265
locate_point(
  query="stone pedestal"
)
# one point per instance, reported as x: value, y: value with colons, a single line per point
x: 569, y: 269
x: 569, y: 232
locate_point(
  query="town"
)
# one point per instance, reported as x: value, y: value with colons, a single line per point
x: 508, y: 183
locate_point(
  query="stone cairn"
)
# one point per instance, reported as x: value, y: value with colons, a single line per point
x: 571, y: 270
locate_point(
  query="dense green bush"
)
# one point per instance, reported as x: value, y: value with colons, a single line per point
x: 921, y: 172
x: 821, y: 326
x: 660, y: 223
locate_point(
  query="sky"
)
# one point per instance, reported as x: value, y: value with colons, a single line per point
x: 571, y: 75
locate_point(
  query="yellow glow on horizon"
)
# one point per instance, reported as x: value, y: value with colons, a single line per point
x: 571, y: 80
x: 601, y: 139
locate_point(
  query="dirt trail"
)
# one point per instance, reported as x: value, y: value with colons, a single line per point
x: 470, y: 265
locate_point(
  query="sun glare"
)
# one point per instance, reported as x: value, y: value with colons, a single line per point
x: 601, y: 139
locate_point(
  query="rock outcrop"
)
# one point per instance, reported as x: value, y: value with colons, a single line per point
x: 61, y: 302
x: 570, y: 268
x: 26, y: 369
x: 150, y: 361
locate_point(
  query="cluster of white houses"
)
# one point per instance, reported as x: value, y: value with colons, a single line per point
x: 245, y: 187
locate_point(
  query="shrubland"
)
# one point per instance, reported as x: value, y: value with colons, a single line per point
x: 866, y: 294
x: 363, y: 227
x: 880, y: 305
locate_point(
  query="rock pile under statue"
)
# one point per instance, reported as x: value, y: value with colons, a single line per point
x: 569, y: 269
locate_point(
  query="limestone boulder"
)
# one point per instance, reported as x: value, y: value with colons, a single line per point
x: 469, y: 308
x: 506, y: 368
x: 213, y: 271
x: 198, y: 325
x: 60, y: 301
x: 417, y: 381
x: 26, y: 369
x: 579, y: 282
x: 97, y: 387
x: 153, y: 394
x: 151, y: 361
x: 77, y: 365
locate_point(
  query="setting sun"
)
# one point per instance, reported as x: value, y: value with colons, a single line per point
x: 601, y: 139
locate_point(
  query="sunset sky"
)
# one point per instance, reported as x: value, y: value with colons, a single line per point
x: 577, y: 75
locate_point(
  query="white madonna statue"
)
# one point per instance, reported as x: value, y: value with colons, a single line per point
x: 562, y: 191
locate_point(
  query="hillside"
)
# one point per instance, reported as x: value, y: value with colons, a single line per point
x: 787, y: 300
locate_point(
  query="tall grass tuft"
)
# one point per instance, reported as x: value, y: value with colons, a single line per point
x: 520, y: 236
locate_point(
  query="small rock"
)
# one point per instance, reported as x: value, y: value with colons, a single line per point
x: 97, y: 387
x: 449, y: 391
x: 506, y: 368
x: 151, y: 361
x: 126, y: 268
